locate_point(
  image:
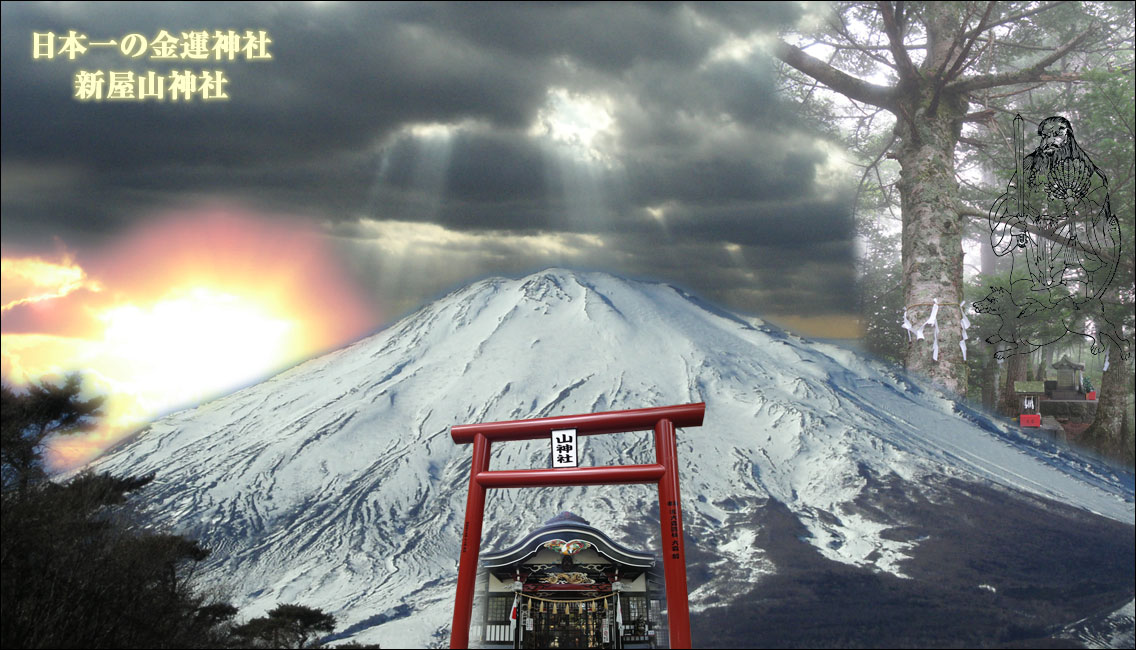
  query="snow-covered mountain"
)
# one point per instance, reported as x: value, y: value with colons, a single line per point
x: 336, y: 484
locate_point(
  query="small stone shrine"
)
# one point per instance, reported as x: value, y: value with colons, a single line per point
x: 1070, y: 380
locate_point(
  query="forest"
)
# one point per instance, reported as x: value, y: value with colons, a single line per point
x: 923, y: 97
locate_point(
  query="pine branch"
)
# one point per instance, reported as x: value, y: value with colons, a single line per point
x: 872, y: 166
x: 979, y: 116
x: 868, y: 48
x: 956, y: 44
x: 1036, y: 72
x: 963, y: 45
x: 958, y: 66
x: 907, y: 71
x: 974, y: 142
x: 964, y: 210
x: 851, y: 44
x: 1015, y: 17
x: 841, y: 82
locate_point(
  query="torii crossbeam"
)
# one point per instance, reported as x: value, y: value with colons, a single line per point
x: 664, y: 473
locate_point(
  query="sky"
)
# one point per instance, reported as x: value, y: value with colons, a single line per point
x: 312, y: 171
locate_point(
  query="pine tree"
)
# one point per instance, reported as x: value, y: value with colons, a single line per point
x: 31, y: 417
x: 946, y: 65
x: 77, y: 567
x: 287, y: 626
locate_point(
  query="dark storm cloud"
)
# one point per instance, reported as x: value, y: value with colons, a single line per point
x: 340, y: 77
x: 427, y: 114
x: 604, y: 36
x: 717, y: 178
x: 785, y: 226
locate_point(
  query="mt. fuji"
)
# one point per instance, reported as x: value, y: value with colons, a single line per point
x: 827, y: 499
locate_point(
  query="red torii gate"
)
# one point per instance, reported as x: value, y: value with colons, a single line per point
x: 664, y: 473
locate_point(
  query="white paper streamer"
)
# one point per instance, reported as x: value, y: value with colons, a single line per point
x: 907, y: 325
x: 965, y: 323
x: 1107, y: 349
x: 934, y: 323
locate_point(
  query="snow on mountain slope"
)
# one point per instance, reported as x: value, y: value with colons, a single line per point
x: 336, y: 483
x: 1115, y: 631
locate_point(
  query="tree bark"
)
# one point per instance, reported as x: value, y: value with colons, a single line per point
x: 989, y: 262
x: 1108, y: 433
x: 932, y: 246
x: 989, y: 383
x: 1046, y: 361
x: 1015, y: 371
x: 928, y: 126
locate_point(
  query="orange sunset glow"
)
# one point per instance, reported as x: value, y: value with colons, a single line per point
x: 186, y: 307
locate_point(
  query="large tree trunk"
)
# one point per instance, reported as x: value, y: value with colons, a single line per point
x: 1015, y: 371
x: 989, y: 262
x: 1046, y: 361
x: 932, y: 247
x: 1109, y: 433
x: 989, y: 383
x: 928, y: 124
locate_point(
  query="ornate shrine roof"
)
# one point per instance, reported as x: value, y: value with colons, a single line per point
x: 569, y: 534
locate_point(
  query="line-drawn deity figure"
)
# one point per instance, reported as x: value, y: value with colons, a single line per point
x: 1056, y: 222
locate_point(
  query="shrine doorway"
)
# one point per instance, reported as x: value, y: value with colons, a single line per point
x: 569, y: 585
x: 560, y: 622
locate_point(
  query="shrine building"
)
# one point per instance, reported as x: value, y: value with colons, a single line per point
x: 574, y: 588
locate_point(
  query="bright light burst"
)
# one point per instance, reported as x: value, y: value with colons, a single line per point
x: 186, y: 307
x: 188, y: 345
